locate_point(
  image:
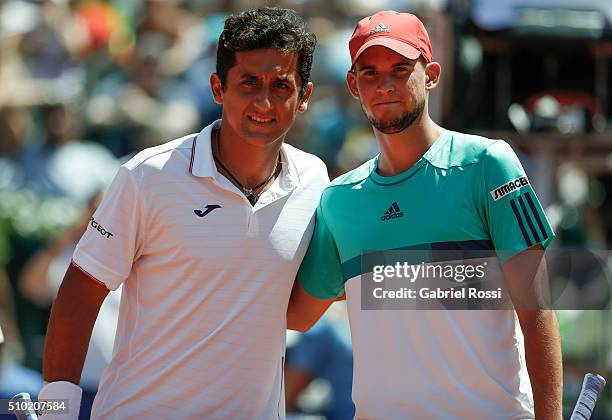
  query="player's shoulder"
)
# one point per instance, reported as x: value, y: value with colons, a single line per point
x: 462, y: 149
x: 341, y: 188
x: 158, y: 156
x: 305, y: 162
x: 341, y: 191
x: 354, y: 176
x: 303, y: 159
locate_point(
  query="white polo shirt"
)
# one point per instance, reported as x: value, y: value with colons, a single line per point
x: 206, y: 280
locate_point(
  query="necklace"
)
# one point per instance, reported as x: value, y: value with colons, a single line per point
x: 250, y: 193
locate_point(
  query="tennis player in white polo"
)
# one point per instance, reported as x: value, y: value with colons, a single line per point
x: 206, y: 234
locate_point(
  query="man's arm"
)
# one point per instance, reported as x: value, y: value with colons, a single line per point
x: 72, y: 319
x: 526, y: 279
x: 304, y: 310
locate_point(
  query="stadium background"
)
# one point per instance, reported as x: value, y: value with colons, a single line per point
x: 85, y: 84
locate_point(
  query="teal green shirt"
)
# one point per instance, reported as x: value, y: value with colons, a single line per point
x: 465, y: 192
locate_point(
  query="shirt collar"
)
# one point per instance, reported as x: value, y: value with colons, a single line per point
x: 289, y: 176
x: 202, y: 163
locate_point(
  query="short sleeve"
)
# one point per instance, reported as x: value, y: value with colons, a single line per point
x: 516, y: 220
x: 112, y: 241
x: 321, y: 272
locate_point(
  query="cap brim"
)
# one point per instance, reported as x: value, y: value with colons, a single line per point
x: 400, y: 47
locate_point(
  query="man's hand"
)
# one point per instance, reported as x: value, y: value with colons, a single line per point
x: 304, y: 310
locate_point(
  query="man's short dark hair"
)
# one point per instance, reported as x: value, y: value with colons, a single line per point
x: 267, y: 27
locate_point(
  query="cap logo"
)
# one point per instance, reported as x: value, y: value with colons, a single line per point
x: 379, y: 28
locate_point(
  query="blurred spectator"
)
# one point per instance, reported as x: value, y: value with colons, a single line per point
x: 60, y: 165
x: 14, y: 377
x: 105, y: 28
x: 147, y: 106
x: 323, y: 354
x: 14, y: 123
x: 39, y: 47
x: 13, y: 126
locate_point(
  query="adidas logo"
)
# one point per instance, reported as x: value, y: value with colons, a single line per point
x: 379, y: 28
x: 393, y: 213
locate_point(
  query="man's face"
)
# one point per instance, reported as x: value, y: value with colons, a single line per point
x: 390, y: 87
x: 261, y: 96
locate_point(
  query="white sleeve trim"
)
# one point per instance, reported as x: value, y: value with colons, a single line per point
x: 97, y: 271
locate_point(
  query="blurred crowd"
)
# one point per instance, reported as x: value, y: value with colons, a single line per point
x: 86, y: 84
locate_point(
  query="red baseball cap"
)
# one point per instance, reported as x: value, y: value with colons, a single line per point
x: 403, y: 33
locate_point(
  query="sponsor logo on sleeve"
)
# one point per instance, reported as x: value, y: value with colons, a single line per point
x: 94, y: 224
x: 505, y: 189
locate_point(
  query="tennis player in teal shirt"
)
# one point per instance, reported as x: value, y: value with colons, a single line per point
x: 432, y: 189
